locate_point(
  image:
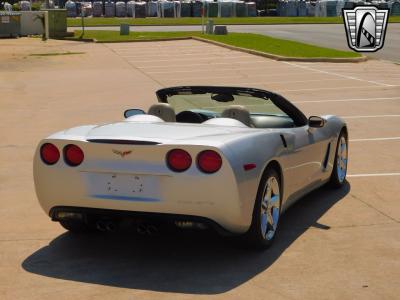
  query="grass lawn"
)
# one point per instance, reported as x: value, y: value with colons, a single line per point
x: 224, y: 21
x: 245, y: 40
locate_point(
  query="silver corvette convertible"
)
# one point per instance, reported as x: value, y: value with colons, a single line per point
x: 233, y: 159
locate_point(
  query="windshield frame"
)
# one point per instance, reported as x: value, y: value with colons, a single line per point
x: 283, y: 104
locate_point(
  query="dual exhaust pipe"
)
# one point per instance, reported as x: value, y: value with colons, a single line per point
x: 104, y: 226
x: 109, y: 226
x: 146, y: 229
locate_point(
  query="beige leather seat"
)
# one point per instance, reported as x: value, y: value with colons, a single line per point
x: 164, y: 111
x: 238, y: 112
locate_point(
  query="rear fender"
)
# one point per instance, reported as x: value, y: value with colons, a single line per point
x: 260, y: 151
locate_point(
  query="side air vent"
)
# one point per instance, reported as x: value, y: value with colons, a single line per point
x: 122, y: 142
x: 325, y: 164
x: 283, y: 141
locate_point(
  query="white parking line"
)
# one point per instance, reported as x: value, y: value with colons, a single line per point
x: 207, y: 64
x: 373, y: 174
x: 339, y: 88
x: 336, y: 74
x: 376, y: 139
x: 348, y: 100
x: 283, y: 82
x: 374, y: 116
x: 234, y: 68
x: 147, y: 56
x: 186, y: 80
x: 186, y: 59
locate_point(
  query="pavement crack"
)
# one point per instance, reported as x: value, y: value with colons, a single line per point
x: 328, y: 227
x: 374, y: 208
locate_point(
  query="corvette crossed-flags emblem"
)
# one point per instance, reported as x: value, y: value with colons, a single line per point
x: 121, y: 153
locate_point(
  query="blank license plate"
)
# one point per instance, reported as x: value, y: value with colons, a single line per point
x: 123, y: 187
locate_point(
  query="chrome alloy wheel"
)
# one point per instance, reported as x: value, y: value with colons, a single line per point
x: 270, y: 208
x: 341, y: 160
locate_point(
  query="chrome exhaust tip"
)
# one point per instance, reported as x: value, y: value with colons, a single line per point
x: 151, y: 229
x: 111, y: 226
x: 101, y: 226
x: 141, y: 229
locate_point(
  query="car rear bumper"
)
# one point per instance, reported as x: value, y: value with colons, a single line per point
x: 94, y: 215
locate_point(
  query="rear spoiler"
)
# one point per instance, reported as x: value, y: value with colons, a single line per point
x: 122, y: 142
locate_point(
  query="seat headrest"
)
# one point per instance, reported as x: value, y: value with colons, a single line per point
x: 237, y: 112
x: 164, y: 111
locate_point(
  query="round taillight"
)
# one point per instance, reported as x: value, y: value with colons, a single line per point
x: 73, y: 155
x: 209, y: 161
x: 179, y: 160
x: 49, y: 154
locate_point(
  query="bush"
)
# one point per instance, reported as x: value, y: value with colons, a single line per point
x: 36, y: 6
x: 16, y: 7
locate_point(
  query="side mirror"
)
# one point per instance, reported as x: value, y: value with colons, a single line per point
x: 316, y: 122
x: 133, y: 112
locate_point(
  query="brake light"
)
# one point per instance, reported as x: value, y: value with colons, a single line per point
x: 73, y: 155
x: 209, y: 161
x: 179, y: 160
x: 49, y: 154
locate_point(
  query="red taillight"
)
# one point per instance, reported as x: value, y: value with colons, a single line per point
x: 73, y: 155
x: 49, y: 154
x: 179, y: 160
x: 209, y: 161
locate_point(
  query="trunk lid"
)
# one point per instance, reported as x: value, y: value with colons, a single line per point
x: 161, y: 132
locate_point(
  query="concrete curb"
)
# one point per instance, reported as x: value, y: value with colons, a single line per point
x: 226, y: 24
x: 140, y: 41
x: 285, y: 58
x: 250, y: 51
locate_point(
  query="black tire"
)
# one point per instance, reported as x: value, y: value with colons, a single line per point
x: 255, y: 236
x: 337, y: 180
x: 75, y: 226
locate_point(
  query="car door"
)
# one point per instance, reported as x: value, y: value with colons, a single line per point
x: 306, y: 155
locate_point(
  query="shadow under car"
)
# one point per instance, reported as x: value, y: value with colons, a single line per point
x: 195, y: 262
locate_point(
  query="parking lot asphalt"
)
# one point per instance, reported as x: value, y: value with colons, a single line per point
x: 325, y: 35
x: 333, y: 244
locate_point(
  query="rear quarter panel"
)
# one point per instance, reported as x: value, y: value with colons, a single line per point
x: 260, y: 148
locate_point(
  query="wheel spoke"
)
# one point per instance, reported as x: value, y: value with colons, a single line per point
x: 264, y: 224
x: 274, y: 200
x: 270, y: 219
x: 275, y: 217
x: 264, y: 206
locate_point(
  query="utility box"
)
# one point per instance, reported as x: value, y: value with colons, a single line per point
x: 57, y: 23
x: 32, y: 23
x: 124, y: 29
x: 220, y: 30
x: 10, y: 24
